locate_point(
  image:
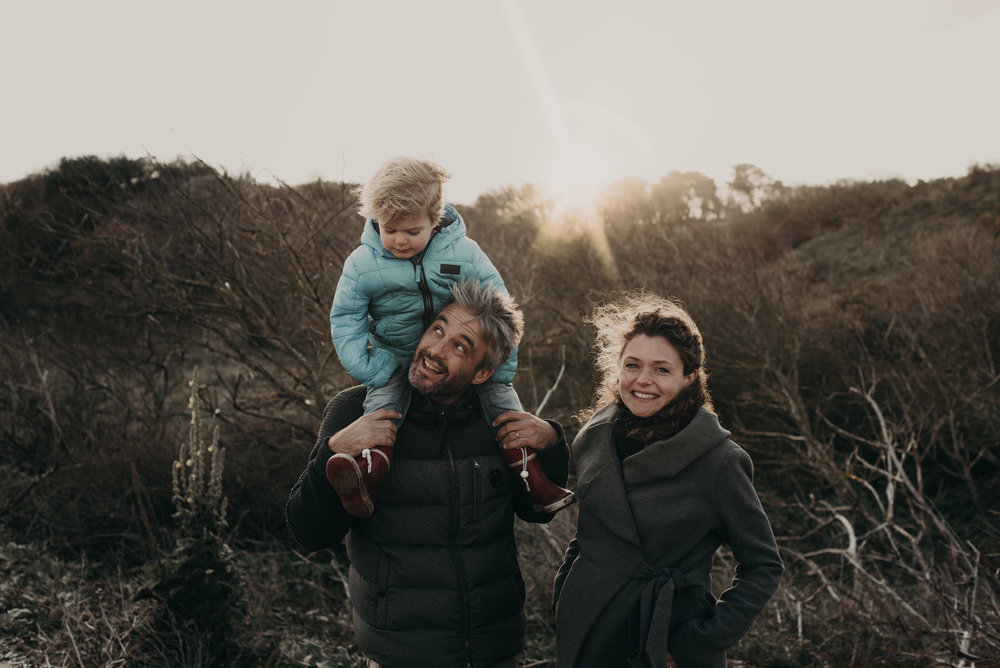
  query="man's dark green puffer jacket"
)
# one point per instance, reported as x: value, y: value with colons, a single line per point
x: 434, y: 576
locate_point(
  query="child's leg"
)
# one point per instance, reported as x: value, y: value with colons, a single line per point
x: 545, y: 496
x: 497, y: 398
x: 357, y: 479
x: 395, y: 394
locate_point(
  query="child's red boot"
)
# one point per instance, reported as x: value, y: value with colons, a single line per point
x: 545, y: 495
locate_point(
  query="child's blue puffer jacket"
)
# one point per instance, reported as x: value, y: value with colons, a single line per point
x: 389, y: 302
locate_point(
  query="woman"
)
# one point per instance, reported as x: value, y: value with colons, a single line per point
x: 660, y: 488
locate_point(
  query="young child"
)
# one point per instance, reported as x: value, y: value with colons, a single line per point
x: 413, y: 248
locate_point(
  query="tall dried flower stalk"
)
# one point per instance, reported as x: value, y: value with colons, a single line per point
x: 197, y: 476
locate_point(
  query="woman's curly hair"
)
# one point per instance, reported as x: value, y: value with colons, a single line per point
x: 617, y: 322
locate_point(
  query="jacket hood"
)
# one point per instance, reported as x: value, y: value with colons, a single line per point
x: 452, y: 228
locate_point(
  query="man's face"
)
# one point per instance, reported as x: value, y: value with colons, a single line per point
x: 446, y: 359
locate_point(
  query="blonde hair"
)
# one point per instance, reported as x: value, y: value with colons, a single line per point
x: 618, y: 322
x: 404, y: 187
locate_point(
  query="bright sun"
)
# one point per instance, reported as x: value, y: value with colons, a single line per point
x: 593, y: 143
x: 575, y: 176
x: 594, y: 147
x: 578, y: 178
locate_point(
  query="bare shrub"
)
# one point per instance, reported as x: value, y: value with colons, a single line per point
x: 187, y: 267
x: 852, y: 334
x: 876, y: 419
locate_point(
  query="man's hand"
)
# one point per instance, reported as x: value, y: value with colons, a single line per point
x: 518, y: 429
x: 366, y: 432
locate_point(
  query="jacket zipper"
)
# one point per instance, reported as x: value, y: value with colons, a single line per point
x: 425, y: 291
x: 421, y: 276
x: 477, y: 488
x: 456, y: 553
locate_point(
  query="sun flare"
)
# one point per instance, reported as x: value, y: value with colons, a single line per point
x: 595, y: 148
x: 576, y: 175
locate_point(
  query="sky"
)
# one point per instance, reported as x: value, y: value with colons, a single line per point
x: 506, y: 92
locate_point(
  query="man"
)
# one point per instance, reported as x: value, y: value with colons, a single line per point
x: 434, y: 578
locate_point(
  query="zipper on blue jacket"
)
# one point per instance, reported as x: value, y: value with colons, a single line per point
x: 425, y: 289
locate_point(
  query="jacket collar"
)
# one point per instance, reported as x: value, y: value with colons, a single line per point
x: 659, y: 459
x: 600, y: 475
x: 668, y: 457
x: 461, y: 413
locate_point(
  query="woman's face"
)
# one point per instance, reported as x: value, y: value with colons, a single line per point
x: 651, y: 375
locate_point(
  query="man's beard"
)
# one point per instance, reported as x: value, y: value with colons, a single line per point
x: 442, y: 385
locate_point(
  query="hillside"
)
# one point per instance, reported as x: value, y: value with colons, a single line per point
x: 853, y: 333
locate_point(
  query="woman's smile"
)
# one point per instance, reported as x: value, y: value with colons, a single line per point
x: 651, y: 375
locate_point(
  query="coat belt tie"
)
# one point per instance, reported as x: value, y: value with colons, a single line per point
x: 655, y: 602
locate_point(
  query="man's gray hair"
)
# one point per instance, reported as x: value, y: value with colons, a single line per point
x: 501, y: 322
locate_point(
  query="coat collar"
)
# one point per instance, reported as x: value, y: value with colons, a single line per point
x: 668, y: 457
x: 595, y: 452
x: 459, y: 414
x: 600, y: 475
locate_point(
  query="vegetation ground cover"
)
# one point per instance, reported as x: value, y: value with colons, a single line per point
x: 853, y: 333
